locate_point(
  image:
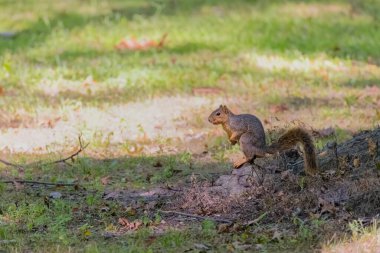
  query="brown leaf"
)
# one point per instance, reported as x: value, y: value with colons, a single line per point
x: 2, y: 91
x: 357, y: 162
x: 327, y: 206
x: 127, y: 225
x: 105, y: 180
x: 133, y: 44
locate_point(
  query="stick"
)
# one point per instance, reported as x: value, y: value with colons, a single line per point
x: 11, y: 164
x: 262, y: 216
x: 35, y: 182
x: 81, y: 148
x: 64, y: 160
x: 197, y: 216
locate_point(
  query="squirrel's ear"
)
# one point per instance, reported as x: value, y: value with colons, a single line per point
x: 225, y: 109
x: 221, y: 106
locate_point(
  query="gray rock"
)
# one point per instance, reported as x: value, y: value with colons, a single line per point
x: 55, y: 195
x: 239, y: 181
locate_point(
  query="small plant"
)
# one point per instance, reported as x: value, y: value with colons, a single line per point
x: 301, y: 183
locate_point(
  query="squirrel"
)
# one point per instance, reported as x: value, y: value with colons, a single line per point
x: 248, y: 130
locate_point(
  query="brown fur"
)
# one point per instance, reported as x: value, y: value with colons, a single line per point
x: 248, y: 130
x: 291, y: 138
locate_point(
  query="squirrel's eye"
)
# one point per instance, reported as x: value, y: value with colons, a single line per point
x: 218, y: 114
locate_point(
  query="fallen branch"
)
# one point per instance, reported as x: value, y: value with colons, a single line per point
x: 40, y: 163
x: 35, y: 182
x: 71, y: 157
x: 257, y: 220
x: 197, y: 216
x: 11, y: 164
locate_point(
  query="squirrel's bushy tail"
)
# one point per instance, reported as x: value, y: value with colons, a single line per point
x: 290, y: 139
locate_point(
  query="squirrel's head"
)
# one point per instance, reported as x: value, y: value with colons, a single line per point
x: 219, y: 116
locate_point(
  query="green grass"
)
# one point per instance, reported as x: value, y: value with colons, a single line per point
x: 72, y: 41
x: 315, y: 57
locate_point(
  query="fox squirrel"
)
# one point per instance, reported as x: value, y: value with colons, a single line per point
x: 249, y: 131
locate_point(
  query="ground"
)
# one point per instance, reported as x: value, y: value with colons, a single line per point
x: 144, y: 115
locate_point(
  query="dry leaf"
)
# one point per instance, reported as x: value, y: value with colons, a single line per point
x: 356, y: 162
x: 127, y: 225
x: 105, y: 180
x: 327, y: 206
x: 133, y: 44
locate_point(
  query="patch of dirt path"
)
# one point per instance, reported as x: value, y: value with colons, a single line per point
x: 166, y: 117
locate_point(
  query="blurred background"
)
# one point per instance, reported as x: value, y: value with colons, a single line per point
x: 97, y: 67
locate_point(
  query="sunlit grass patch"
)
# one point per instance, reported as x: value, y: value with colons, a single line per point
x: 363, y: 240
x: 314, y: 10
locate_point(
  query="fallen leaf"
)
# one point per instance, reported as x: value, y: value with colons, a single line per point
x: 277, y: 235
x: 223, y: 228
x: 357, y: 162
x: 127, y: 225
x: 133, y: 44
x: 326, y: 206
x: 105, y: 180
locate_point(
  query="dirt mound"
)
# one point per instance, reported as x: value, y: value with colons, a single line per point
x: 278, y: 197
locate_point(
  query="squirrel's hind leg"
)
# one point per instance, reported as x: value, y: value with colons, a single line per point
x: 248, y: 146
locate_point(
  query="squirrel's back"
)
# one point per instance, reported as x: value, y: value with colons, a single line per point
x: 248, y: 123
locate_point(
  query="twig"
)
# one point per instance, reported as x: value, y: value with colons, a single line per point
x: 256, y: 221
x: 197, y: 216
x: 11, y: 164
x: 35, y: 182
x: 81, y: 148
x: 40, y: 163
